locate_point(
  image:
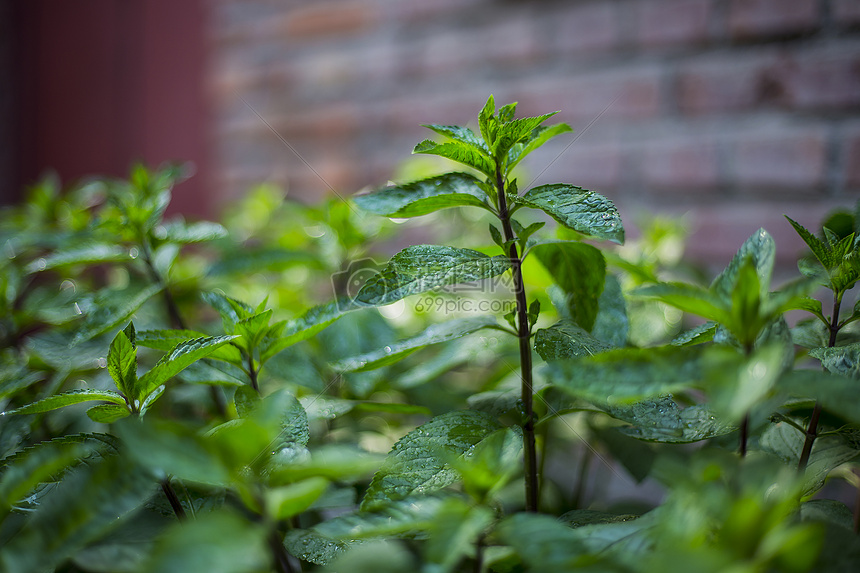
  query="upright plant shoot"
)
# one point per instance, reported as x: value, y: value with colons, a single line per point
x: 503, y: 142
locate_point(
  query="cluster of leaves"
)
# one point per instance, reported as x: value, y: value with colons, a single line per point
x: 220, y: 435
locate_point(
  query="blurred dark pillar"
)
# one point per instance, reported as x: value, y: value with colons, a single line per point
x: 102, y: 83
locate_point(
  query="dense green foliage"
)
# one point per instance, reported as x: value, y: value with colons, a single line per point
x: 263, y: 395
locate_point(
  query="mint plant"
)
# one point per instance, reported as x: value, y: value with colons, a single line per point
x: 345, y: 436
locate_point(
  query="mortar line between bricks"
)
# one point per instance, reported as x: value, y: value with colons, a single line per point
x: 297, y: 154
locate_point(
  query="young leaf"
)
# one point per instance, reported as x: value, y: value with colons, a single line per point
x: 844, y: 360
x: 306, y: 326
x: 253, y: 328
x: 171, y: 364
x: 461, y: 134
x: 286, y: 501
x: 421, y: 268
x: 760, y: 250
x: 580, y: 270
x: 181, y: 232
x: 497, y: 237
x: 108, y: 413
x: 696, y: 335
x: 816, y: 245
x: 425, y: 196
x: 453, y: 532
x: 565, y: 340
x: 434, y: 334
x: 308, y: 545
x: 230, y: 309
x: 417, y: 464
x: 538, y: 137
x: 122, y: 361
x: 67, y: 399
x: 166, y: 340
x: 689, y: 298
x: 578, y: 209
x: 461, y: 153
x: 487, y: 122
x: 515, y: 131
x: 533, y: 313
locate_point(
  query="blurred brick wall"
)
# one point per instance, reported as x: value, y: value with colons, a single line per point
x: 734, y: 111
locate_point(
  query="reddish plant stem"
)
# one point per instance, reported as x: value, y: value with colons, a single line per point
x: 524, y: 335
x: 812, y: 428
x: 171, y: 496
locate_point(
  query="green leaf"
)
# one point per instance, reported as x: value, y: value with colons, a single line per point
x: 661, y: 420
x: 434, y: 334
x: 538, y: 137
x: 110, y: 310
x: 627, y: 375
x: 564, y: 340
x: 760, y: 250
x: 386, y: 519
x: 487, y: 122
x: 308, y: 545
x: 335, y: 462
x: 461, y: 153
x: 172, y: 363
x: 421, y: 268
x: 837, y: 394
x: 46, y: 462
x: 543, y: 543
x: 425, y: 196
x: 696, y: 335
x: 286, y: 501
x: 461, y: 134
x: 580, y: 270
x: 736, y: 382
x: 690, y: 298
x: 252, y: 329
x: 232, y: 545
x: 68, y: 399
x: 611, y: 324
x: 108, y: 413
x: 181, y: 232
x: 578, y: 209
x: 88, y: 503
x: 122, y: 362
x: 417, y: 464
x: 828, y: 453
x: 491, y: 464
x: 306, y: 326
x: 452, y: 535
x: 230, y: 309
x: 843, y: 360
x: 516, y: 131
x: 816, y: 245
x: 166, y: 340
x: 89, y: 253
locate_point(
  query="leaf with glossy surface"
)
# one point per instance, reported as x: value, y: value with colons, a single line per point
x: 611, y: 324
x: 580, y: 270
x: 167, y: 340
x: 387, y: 519
x: 182, y: 232
x: 418, y: 462
x: 539, y: 136
x: 454, y: 530
x: 661, y: 420
x: 308, y: 545
x: 515, y: 131
x: 286, y: 501
x: 422, y: 268
x: 579, y: 209
x: 565, y: 340
x: 459, y: 152
x: 844, y: 360
x: 68, y: 399
x: 306, y: 326
x: 760, y: 250
x: 425, y: 196
x: 108, y: 413
x: 172, y: 363
x: 122, y: 362
x: 434, y: 334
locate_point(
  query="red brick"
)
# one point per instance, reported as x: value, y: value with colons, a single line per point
x: 588, y: 28
x: 829, y: 81
x: 663, y: 22
x: 851, y: 158
x: 589, y: 165
x: 329, y: 122
x: 789, y: 160
x: 846, y: 11
x: 582, y: 98
x: 681, y: 165
x: 772, y: 18
x: 721, y: 85
x: 331, y: 18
